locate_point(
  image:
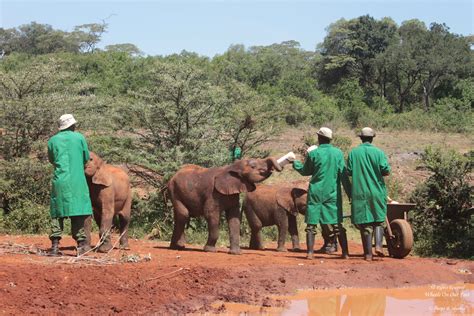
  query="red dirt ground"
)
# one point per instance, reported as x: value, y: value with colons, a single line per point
x: 177, y: 282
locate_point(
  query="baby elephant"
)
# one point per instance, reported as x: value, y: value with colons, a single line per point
x: 275, y: 205
x: 110, y: 192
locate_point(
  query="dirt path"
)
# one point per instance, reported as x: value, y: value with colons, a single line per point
x: 176, y: 282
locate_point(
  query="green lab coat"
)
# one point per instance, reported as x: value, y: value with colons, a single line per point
x: 327, y: 169
x: 68, y: 152
x: 236, y: 154
x: 367, y: 165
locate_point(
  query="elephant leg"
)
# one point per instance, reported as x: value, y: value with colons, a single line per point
x: 124, y: 219
x: 181, y: 217
x: 233, y: 220
x: 293, y: 230
x: 256, y: 239
x: 97, y: 217
x: 255, y: 226
x: 87, y: 229
x: 282, y: 224
x: 105, y: 230
x: 213, y: 228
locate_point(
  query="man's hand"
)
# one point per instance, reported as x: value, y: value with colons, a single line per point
x: 311, y: 148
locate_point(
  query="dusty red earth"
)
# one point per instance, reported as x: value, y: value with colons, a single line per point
x: 177, y: 282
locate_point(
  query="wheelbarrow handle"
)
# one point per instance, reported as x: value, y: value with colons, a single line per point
x: 389, y: 229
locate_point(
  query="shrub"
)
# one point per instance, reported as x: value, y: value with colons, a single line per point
x: 442, y: 219
x: 325, y: 112
x: 452, y: 114
x: 153, y: 216
x: 25, y: 185
x: 27, y: 218
x: 296, y: 111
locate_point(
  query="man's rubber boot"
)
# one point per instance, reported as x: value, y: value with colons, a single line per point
x: 323, y: 247
x: 332, y: 245
x: 54, y: 251
x: 310, y: 244
x: 344, y: 246
x: 367, y: 244
x: 82, y: 247
x: 378, y: 231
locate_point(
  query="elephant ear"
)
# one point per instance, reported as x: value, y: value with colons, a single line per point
x: 285, y: 200
x: 296, y: 196
x: 102, y: 177
x: 229, y: 182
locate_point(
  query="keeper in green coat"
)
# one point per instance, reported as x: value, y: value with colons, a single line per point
x: 327, y: 169
x: 68, y: 153
x: 368, y: 166
x: 235, y: 153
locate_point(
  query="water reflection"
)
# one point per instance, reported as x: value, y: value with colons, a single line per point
x: 436, y: 300
x: 432, y: 300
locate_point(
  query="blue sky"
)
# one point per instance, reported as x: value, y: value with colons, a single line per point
x: 163, y: 27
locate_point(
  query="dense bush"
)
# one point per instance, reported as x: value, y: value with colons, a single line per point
x: 25, y: 185
x: 442, y: 218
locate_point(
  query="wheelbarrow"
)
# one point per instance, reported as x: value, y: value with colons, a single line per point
x: 398, y: 232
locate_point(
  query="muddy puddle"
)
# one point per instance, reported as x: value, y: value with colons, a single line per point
x: 456, y: 299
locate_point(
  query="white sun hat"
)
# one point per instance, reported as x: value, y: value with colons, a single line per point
x: 66, y: 121
x: 326, y: 132
x: 367, y: 132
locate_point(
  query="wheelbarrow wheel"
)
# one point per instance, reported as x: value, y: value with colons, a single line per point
x: 402, y: 242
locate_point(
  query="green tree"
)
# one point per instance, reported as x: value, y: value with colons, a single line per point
x: 402, y: 64
x: 127, y: 48
x: 36, y: 39
x: 351, y: 47
x: 443, y: 55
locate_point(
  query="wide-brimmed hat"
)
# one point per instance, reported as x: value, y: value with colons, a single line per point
x: 325, y: 132
x: 367, y: 132
x: 66, y: 121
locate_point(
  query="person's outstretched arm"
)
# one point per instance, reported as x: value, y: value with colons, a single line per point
x: 306, y: 169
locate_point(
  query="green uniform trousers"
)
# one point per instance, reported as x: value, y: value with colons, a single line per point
x: 369, y: 227
x: 77, y: 227
x: 328, y: 230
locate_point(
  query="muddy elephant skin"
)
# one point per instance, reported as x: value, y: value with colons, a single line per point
x: 275, y: 205
x: 197, y: 191
x: 111, y: 195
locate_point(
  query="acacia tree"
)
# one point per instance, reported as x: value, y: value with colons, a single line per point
x: 127, y: 48
x: 89, y: 35
x: 29, y: 98
x: 175, y: 116
x: 247, y: 119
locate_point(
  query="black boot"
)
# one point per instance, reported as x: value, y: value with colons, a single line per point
x: 344, y: 246
x: 324, y: 246
x: 378, y: 231
x: 331, y: 245
x: 82, y: 247
x: 367, y: 244
x: 54, y: 251
x: 310, y: 244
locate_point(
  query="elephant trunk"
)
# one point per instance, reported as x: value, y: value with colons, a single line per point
x: 275, y: 164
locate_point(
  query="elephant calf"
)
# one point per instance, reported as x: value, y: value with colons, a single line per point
x: 110, y: 192
x: 203, y: 192
x: 275, y: 205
